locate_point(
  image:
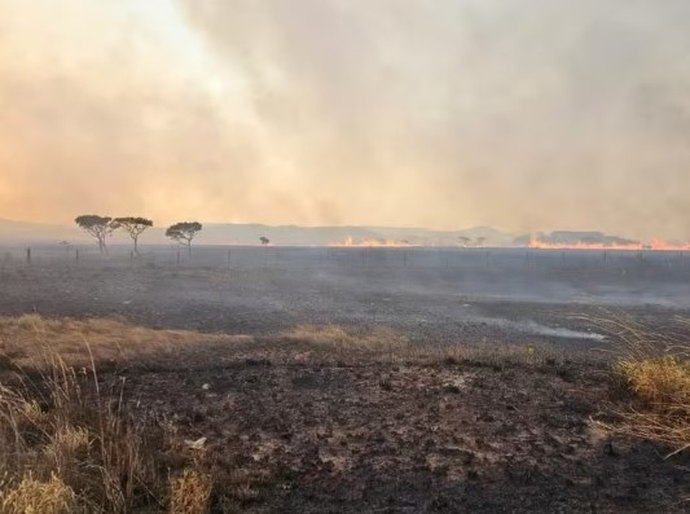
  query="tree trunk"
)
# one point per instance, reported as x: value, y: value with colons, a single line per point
x: 136, y: 245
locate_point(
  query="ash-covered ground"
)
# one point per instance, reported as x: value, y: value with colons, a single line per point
x: 315, y: 429
x: 449, y: 296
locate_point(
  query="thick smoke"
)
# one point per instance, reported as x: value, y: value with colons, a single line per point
x: 524, y: 115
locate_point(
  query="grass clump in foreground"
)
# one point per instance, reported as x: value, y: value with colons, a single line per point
x: 190, y: 493
x: 655, y: 370
x: 68, y: 448
x: 69, y: 443
x: 661, y: 386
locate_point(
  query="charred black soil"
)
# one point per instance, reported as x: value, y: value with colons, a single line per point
x: 491, y: 405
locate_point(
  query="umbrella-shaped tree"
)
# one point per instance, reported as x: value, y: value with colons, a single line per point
x: 184, y: 232
x: 99, y: 227
x: 134, y: 226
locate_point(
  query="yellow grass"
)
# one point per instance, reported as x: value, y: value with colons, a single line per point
x: 657, y: 381
x: 65, y: 445
x: 26, y: 340
x: 32, y: 496
x: 656, y: 371
x: 65, y: 448
x: 190, y: 493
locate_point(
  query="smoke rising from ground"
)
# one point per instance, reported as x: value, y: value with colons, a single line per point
x: 524, y: 115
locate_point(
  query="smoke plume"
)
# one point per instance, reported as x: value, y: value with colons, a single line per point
x: 523, y: 115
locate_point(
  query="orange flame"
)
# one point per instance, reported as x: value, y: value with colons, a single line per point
x: 349, y: 242
x: 658, y: 245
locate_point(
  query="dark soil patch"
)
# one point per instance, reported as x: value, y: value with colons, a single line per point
x: 434, y: 438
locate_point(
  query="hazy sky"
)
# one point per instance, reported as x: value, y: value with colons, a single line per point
x: 521, y: 114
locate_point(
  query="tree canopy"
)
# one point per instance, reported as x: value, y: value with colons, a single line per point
x: 184, y: 232
x: 134, y: 226
x: 99, y: 227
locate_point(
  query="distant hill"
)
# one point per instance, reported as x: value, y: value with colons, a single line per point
x: 23, y: 232
x: 573, y: 237
x: 297, y: 235
x: 18, y: 232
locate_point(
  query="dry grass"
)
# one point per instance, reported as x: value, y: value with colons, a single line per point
x: 32, y: 496
x: 657, y: 381
x: 68, y: 442
x: 317, y: 343
x: 190, y: 493
x: 654, y: 369
x: 68, y: 448
x: 661, y: 388
x: 68, y: 445
x: 26, y: 341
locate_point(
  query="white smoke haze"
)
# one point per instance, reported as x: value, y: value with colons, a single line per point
x: 531, y: 115
x: 534, y: 328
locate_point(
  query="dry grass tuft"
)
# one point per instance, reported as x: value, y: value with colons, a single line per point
x: 657, y: 381
x: 31, y: 496
x: 190, y: 493
x: 69, y: 448
x: 655, y: 371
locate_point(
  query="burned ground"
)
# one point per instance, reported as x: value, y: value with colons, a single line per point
x: 400, y: 392
x: 433, y: 295
x: 441, y: 437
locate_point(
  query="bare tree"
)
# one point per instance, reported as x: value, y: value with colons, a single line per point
x: 264, y: 240
x: 99, y: 227
x: 134, y: 227
x: 184, y: 232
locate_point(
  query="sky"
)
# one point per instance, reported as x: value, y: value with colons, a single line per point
x: 523, y: 115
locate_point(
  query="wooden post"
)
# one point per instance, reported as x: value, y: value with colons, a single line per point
x: 28, y: 255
